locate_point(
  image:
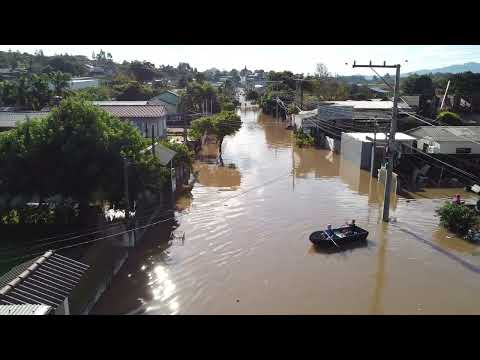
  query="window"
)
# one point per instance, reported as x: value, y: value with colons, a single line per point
x: 463, y: 150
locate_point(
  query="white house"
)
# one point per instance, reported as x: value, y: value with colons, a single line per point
x: 83, y: 83
x: 149, y: 119
x: 357, y: 147
x: 447, y: 139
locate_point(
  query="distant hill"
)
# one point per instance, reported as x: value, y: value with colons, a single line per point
x: 453, y: 69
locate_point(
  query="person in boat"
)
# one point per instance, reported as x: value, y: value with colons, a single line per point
x: 329, y: 231
x: 457, y: 200
x: 352, y: 226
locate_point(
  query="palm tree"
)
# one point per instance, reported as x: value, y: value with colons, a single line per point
x: 60, y: 81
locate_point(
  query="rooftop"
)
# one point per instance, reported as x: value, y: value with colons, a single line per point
x: 380, y: 136
x: 8, y: 119
x: 119, y: 103
x: 26, y: 309
x: 135, y: 110
x: 447, y: 133
x: 365, y: 104
x: 47, y: 280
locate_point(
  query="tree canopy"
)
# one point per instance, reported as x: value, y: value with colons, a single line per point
x: 449, y: 118
x: 418, y: 85
x: 75, y: 152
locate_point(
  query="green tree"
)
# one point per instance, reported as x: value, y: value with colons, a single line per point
x: 143, y: 71
x: 200, y: 127
x: 292, y: 109
x: 38, y: 92
x: 7, y: 93
x: 224, y: 124
x: 132, y: 91
x: 183, y: 154
x: 60, y: 82
x: 418, y: 85
x: 100, y: 93
x: 449, y: 118
x: 252, y: 95
x: 76, y: 152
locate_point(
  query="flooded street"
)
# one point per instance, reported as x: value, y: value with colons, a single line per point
x: 247, y: 251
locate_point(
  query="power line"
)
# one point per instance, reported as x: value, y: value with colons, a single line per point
x: 150, y: 224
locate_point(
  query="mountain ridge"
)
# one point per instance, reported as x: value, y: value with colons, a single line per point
x: 454, y: 69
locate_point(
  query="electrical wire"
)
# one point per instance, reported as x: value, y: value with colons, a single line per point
x: 147, y: 225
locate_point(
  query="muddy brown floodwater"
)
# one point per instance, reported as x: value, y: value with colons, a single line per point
x: 246, y: 247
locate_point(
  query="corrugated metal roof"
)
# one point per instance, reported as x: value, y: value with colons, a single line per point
x: 447, y: 133
x: 361, y: 136
x: 164, y: 154
x: 120, y: 103
x: 136, y: 111
x: 15, y: 272
x: 48, y: 280
x: 366, y: 104
x: 379, y: 90
x: 27, y: 309
x: 9, y: 119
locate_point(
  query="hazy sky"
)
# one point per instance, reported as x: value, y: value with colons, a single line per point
x: 296, y: 58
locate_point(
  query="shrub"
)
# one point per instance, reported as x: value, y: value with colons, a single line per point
x: 449, y: 118
x: 302, y: 139
x: 292, y: 109
x: 457, y: 218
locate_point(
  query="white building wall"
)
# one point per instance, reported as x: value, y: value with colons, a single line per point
x: 450, y: 147
x: 447, y: 147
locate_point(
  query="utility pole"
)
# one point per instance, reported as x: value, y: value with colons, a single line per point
x: 301, y: 95
x: 374, y: 148
x: 391, y: 138
x: 125, y: 182
x: 153, y: 140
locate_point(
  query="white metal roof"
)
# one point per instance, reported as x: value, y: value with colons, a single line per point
x: 366, y: 104
x: 380, y: 136
x: 25, y: 309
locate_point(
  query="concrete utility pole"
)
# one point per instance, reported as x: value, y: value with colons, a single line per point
x: 153, y: 140
x: 125, y: 181
x: 391, y: 138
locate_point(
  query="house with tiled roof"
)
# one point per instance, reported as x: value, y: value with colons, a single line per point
x: 150, y: 119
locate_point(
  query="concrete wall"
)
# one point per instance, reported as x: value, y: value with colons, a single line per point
x: 448, y: 147
x: 351, y: 149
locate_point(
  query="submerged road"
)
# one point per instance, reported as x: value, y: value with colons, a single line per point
x: 246, y: 245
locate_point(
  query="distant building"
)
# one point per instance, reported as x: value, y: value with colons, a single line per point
x: 168, y: 98
x: 146, y: 117
x: 95, y: 70
x: 8, y: 73
x: 83, y: 83
x: 357, y: 147
x: 447, y: 139
x: 10, y: 119
x: 361, y: 115
x: 47, y: 280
